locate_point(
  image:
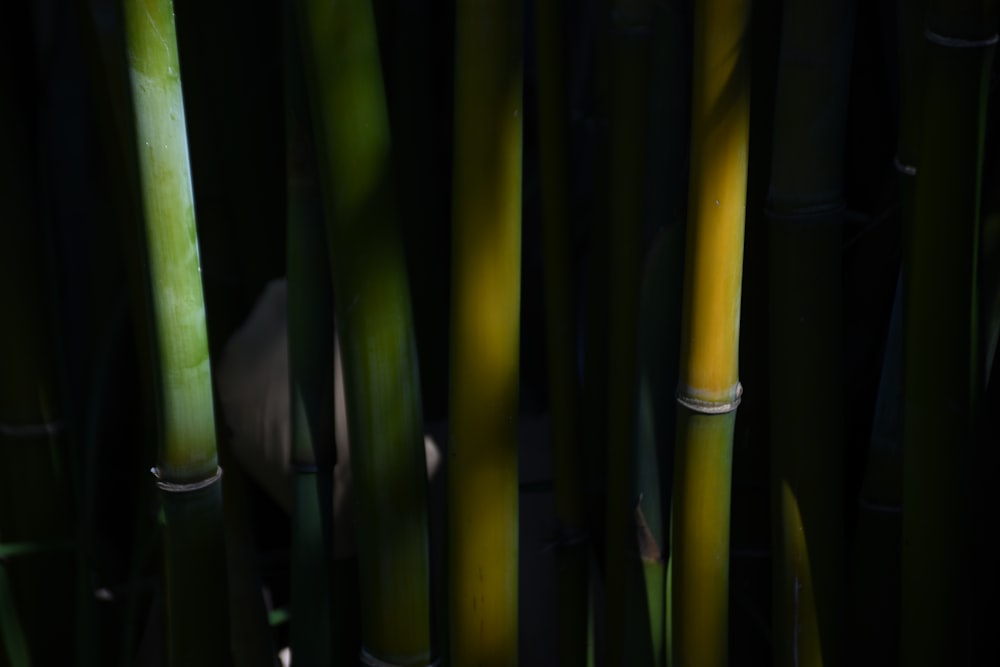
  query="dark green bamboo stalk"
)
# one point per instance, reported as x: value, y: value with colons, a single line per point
x: 553, y: 119
x: 942, y: 378
x: 36, y: 512
x: 708, y: 389
x: 630, y: 52
x: 805, y: 211
x: 310, y: 352
x: 659, y: 337
x: 381, y: 378
x: 486, y: 276
x: 660, y: 306
x: 874, y: 616
x: 187, y: 465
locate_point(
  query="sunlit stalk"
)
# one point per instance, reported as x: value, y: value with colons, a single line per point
x: 187, y: 468
x: 708, y: 388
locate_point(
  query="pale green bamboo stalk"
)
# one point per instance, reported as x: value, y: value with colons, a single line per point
x: 375, y: 324
x: 187, y: 464
x: 708, y: 390
x: 486, y: 268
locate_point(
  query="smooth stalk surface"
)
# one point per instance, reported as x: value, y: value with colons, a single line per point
x: 486, y: 281
x: 942, y: 380
x: 310, y: 355
x: 375, y: 324
x: 708, y: 387
x: 805, y: 211
x: 553, y: 117
x: 187, y: 464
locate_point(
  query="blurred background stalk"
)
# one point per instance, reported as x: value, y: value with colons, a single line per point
x: 572, y: 549
x: 37, y: 517
x: 485, y: 337
x: 942, y: 374
x: 630, y: 53
x: 310, y: 353
x: 375, y: 325
x: 805, y: 210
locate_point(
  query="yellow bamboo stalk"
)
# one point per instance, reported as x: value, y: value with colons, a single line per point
x: 708, y: 388
x: 486, y: 260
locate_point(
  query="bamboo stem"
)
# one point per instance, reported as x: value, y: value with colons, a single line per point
x: 708, y: 388
x: 631, y: 49
x: 553, y: 118
x: 311, y: 365
x: 940, y: 341
x: 486, y: 267
x: 805, y: 214
x: 375, y: 324
x: 187, y: 463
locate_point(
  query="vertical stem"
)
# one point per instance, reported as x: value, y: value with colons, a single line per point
x: 942, y: 380
x: 375, y: 323
x: 631, y: 37
x: 311, y: 365
x: 187, y: 469
x: 708, y: 388
x: 486, y: 268
x: 805, y: 211
x: 553, y: 149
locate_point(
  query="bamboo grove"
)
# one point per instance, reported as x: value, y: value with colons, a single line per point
x: 478, y: 333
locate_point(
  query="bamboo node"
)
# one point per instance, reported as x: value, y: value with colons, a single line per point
x: 368, y: 660
x: 186, y: 487
x: 958, y: 42
x: 711, y: 407
x: 905, y: 169
x: 30, y: 430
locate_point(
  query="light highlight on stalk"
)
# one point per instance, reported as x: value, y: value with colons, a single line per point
x: 708, y: 386
x: 194, y: 548
x: 188, y: 447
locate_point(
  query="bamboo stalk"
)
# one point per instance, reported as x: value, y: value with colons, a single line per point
x: 36, y: 509
x: 805, y: 212
x: 553, y: 156
x: 374, y: 321
x: 942, y: 378
x: 310, y: 351
x: 708, y: 388
x: 486, y: 263
x: 875, y: 612
x: 631, y: 31
x: 187, y: 468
